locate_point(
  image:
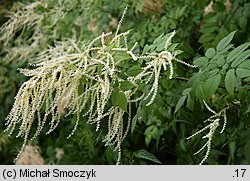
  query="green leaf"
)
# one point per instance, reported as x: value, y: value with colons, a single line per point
x: 230, y: 81
x: 133, y: 71
x: 225, y: 66
x: 232, y: 148
x: 161, y: 44
x: 190, y: 102
x: 213, y: 72
x: 242, y: 57
x: 242, y: 73
x: 225, y: 49
x: 220, y: 60
x: 180, y: 103
x: 115, y: 97
x: 206, y: 38
x: 133, y: 124
x: 110, y: 46
x: 126, y: 85
x: 118, y: 98
x: 99, y: 69
x: 109, y: 156
x: 72, y: 67
x: 80, y: 88
x: 210, y: 53
x: 183, y: 144
x: 201, y: 61
x: 243, y: 22
x: 180, y: 11
x: 148, y: 139
x: 121, y: 56
x: 211, y: 66
x: 245, y: 65
x: 243, y: 69
x: 122, y: 101
x: 212, y: 84
x: 186, y: 91
x: 208, y: 29
x: 146, y: 155
x: 152, y: 130
x: 146, y: 49
x: 224, y: 42
x: 236, y: 52
x: 159, y: 38
x: 200, y: 90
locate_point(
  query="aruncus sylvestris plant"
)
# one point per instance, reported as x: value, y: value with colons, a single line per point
x: 214, y: 123
x: 94, y: 80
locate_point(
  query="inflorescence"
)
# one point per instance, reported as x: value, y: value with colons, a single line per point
x: 66, y: 81
x: 214, y: 123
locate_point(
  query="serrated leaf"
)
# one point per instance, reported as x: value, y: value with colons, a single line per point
x: 242, y: 57
x: 210, y: 53
x: 242, y: 73
x: 224, y: 42
x: 126, y: 85
x: 230, y: 81
x: 236, y: 52
x: 212, y: 84
x: 146, y: 155
x: 180, y: 103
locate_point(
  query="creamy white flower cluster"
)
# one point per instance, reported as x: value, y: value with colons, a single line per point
x: 68, y: 79
x: 214, y: 123
x: 23, y: 17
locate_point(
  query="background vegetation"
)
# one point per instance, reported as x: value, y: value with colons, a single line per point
x: 159, y: 131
